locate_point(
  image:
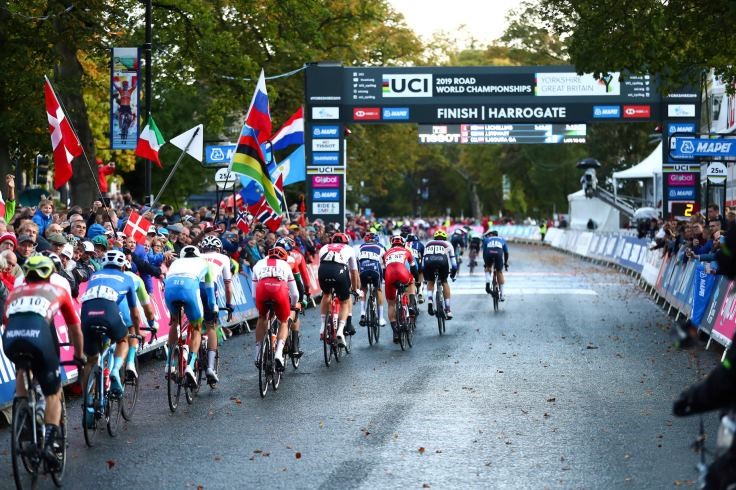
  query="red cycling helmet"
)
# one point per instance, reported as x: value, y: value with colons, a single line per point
x: 340, y: 238
x: 398, y: 240
x: 278, y: 253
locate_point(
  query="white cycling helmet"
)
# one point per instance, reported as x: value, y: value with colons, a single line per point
x: 114, y: 258
x: 211, y: 242
x: 189, y: 251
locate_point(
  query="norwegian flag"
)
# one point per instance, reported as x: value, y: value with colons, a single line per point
x: 265, y: 214
x: 243, y: 220
x: 63, y: 139
x: 137, y: 227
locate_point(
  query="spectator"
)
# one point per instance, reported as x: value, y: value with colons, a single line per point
x: 8, y: 242
x: 8, y: 271
x: 57, y: 242
x: 26, y: 248
x: 78, y: 226
x: 713, y: 213
x: 43, y: 217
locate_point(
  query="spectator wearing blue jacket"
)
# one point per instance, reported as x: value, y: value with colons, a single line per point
x: 43, y: 216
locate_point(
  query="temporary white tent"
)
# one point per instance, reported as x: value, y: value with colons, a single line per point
x: 583, y: 209
x: 649, y: 168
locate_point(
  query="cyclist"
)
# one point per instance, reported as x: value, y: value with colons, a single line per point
x: 211, y: 249
x: 106, y: 290
x: 30, y: 331
x: 495, y: 255
x: 274, y: 281
x: 474, y: 244
x: 458, y: 240
x: 439, y: 256
x: 338, y: 270
x: 395, y: 260
x: 370, y: 265
x: 190, y: 279
x: 417, y: 248
x: 298, y: 265
x: 134, y: 329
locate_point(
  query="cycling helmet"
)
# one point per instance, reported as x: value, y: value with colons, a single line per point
x: 370, y: 237
x: 440, y: 235
x: 411, y: 238
x: 278, y: 253
x: 284, y: 243
x: 398, y: 241
x: 340, y: 238
x: 405, y: 230
x: 491, y: 233
x: 113, y: 258
x: 54, y: 258
x: 211, y: 242
x: 189, y: 251
x: 37, y: 268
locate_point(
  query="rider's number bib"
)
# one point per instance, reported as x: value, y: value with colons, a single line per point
x: 100, y: 292
x: 435, y: 250
x: 29, y: 304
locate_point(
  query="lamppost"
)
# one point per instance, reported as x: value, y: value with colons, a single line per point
x: 149, y: 95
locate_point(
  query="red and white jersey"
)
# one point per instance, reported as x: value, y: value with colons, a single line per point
x: 55, y: 279
x: 340, y: 253
x: 221, y: 264
x: 42, y: 298
x: 398, y: 255
x: 270, y: 267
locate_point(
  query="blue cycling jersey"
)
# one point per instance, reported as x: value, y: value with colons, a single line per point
x: 495, y: 242
x: 370, y: 257
x: 112, y: 284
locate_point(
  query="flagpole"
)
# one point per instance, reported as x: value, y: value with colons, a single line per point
x: 176, y: 165
x: 74, y: 130
x: 222, y: 195
x: 283, y: 200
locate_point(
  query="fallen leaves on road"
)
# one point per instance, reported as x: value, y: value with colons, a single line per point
x: 365, y: 431
x: 200, y: 487
x: 591, y: 346
x: 551, y: 399
x: 217, y: 458
x: 298, y: 455
x: 421, y: 450
x: 426, y: 485
x: 110, y: 464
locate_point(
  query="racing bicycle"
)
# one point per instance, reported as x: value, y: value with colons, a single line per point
x: 27, y: 438
x: 439, y: 301
x: 330, y: 346
x: 267, y: 371
x: 406, y: 322
x: 371, y: 315
x: 132, y: 383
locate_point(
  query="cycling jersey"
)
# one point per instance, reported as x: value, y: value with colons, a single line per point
x: 417, y: 248
x: 335, y: 262
x: 183, y: 282
x: 495, y: 252
x: 29, y: 331
x: 55, y: 279
x: 274, y: 281
x: 141, y: 294
x: 220, y: 264
x: 439, y: 258
x: 298, y: 265
x: 396, y: 260
x: 370, y: 264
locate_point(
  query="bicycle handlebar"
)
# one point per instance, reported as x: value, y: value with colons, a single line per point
x: 229, y: 312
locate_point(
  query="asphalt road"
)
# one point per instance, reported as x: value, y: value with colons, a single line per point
x: 568, y: 386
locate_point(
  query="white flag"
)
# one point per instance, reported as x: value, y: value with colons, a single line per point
x: 196, y: 147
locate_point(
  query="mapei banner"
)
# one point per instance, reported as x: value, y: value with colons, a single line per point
x: 124, y: 98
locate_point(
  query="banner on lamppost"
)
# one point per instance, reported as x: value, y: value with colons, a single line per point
x: 124, y: 98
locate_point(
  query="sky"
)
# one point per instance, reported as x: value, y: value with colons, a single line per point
x: 485, y: 20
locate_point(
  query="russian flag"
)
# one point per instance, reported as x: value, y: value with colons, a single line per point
x: 259, y: 115
x: 291, y: 133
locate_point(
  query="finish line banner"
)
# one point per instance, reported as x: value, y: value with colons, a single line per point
x: 502, y: 133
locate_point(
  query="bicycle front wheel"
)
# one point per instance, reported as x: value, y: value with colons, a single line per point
x: 25, y: 467
x: 58, y: 475
x: 327, y: 340
x: 400, y: 319
x: 91, y: 406
x: 369, y: 319
x: 173, y: 383
x: 294, y: 348
x: 440, y: 310
x: 130, y: 392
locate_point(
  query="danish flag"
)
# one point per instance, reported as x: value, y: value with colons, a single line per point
x: 137, y: 227
x: 63, y: 139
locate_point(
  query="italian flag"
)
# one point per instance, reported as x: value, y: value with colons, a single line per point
x: 149, y: 142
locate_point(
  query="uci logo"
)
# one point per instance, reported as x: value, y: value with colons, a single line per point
x: 413, y: 85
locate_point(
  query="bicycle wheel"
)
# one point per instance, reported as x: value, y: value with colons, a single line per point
x: 440, y: 309
x: 113, y: 412
x: 263, y: 366
x: 348, y: 343
x: 25, y: 466
x: 130, y: 392
x: 376, y: 319
x: 400, y: 320
x: 494, y: 294
x: 91, y: 406
x: 327, y: 340
x: 294, y: 348
x: 369, y: 318
x: 58, y: 475
x: 173, y: 384
x: 201, y: 366
x: 409, y: 330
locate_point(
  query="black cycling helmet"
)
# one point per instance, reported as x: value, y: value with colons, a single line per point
x: 54, y: 258
x: 411, y: 238
x: 405, y: 230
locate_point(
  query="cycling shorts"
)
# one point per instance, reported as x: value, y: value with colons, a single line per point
x: 493, y: 256
x: 101, y: 312
x: 475, y: 247
x: 29, y: 334
x: 396, y: 273
x: 184, y: 290
x: 436, y: 264
x: 334, y: 275
x: 210, y: 315
x: 457, y: 242
x: 271, y: 289
x: 371, y: 277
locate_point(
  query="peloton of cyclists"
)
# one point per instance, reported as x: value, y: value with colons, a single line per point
x: 439, y: 257
x: 495, y: 257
